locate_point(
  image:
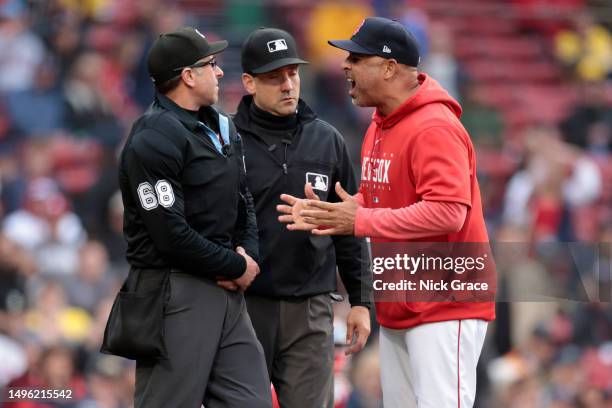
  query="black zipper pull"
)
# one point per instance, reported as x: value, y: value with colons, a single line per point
x: 285, y: 171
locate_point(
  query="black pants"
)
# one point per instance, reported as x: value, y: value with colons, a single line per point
x: 214, y: 357
x: 297, y: 338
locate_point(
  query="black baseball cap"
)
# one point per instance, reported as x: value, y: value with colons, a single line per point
x: 267, y: 49
x: 178, y: 49
x: 383, y: 37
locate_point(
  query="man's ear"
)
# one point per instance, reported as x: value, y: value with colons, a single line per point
x: 391, y: 68
x: 188, y: 77
x: 248, y: 82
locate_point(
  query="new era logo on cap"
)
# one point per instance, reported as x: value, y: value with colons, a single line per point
x: 386, y: 50
x: 277, y: 45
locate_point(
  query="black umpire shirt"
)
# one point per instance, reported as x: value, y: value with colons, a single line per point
x: 281, y: 155
x: 186, y: 203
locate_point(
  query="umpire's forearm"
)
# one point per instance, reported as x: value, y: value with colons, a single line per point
x: 352, y: 261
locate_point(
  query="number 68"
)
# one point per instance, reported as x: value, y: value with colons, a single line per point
x: 150, y: 199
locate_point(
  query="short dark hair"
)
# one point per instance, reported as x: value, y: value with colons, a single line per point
x: 168, y: 85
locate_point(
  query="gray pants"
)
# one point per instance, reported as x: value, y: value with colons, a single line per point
x: 297, y: 338
x: 214, y: 357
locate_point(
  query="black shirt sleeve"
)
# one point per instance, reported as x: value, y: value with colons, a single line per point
x: 351, y: 252
x: 247, y: 228
x: 154, y: 163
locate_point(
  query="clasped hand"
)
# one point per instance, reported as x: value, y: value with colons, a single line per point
x: 244, y: 281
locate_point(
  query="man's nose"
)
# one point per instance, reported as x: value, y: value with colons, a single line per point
x: 287, y: 84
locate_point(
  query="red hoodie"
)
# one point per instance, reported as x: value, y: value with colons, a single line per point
x: 421, y: 152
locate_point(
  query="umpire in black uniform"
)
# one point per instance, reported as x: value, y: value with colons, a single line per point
x: 286, y: 146
x: 188, y: 211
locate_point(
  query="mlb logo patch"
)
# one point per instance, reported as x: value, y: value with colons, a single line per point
x: 277, y: 45
x: 318, y: 181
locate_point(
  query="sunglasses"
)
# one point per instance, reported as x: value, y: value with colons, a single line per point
x: 213, y: 64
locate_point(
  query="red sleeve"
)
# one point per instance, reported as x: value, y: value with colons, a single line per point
x: 421, y: 220
x: 441, y: 167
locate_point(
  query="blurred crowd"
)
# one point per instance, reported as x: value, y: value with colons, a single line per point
x: 534, y: 78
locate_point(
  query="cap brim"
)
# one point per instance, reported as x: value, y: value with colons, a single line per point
x: 216, y: 47
x: 278, y: 64
x: 350, y: 46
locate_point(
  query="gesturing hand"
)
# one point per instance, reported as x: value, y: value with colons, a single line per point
x: 339, y: 218
x: 295, y: 222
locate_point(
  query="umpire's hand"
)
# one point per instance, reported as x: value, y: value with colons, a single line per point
x: 357, y: 329
x: 243, y: 282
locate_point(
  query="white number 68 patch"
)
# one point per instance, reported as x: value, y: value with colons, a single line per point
x: 150, y: 199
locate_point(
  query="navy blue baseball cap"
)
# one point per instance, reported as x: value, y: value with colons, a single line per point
x: 384, y: 38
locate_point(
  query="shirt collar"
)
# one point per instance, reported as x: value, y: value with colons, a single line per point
x: 184, y: 117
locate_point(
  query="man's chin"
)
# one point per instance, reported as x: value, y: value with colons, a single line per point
x: 287, y: 110
x: 362, y: 102
x: 212, y: 100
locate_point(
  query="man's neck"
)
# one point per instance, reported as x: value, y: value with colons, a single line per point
x: 270, y: 121
x: 183, y: 100
x: 395, y: 99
